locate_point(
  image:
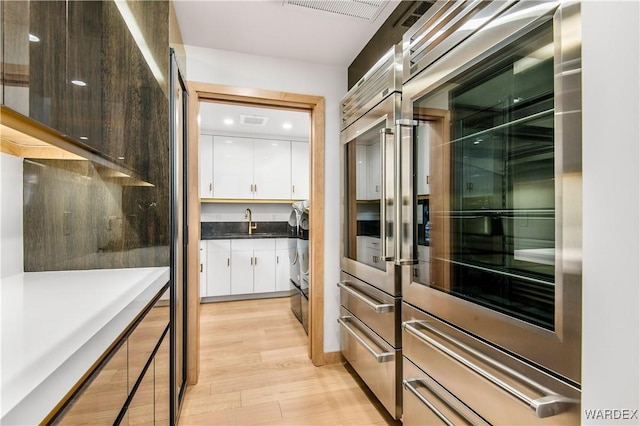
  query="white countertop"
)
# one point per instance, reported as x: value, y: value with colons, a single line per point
x: 55, y: 325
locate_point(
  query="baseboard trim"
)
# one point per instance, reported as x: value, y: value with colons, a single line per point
x: 333, y: 357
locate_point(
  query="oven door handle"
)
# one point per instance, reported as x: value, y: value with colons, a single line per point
x: 380, y: 308
x: 380, y: 357
x: 470, y: 416
x: 548, y: 405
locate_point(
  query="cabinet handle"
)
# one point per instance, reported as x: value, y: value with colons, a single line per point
x: 293, y: 189
x: 277, y: 259
x: 255, y: 260
x: 228, y: 261
x: 380, y: 308
x: 379, y: 356
x: 201, y: 268
x: 427, y: 180
x: 210, y: 186
x: 255, y: 187
x: 251, y: 260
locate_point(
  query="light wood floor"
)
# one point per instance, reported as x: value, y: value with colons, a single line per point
x: 255, y: 370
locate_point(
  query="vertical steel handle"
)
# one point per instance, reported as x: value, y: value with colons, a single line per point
x: 228, y: 261
x: 201, y: 268
x: 383, y: 193
x: 210, y: 186
x: 293, y: 189
x: 277, y: 259
x: 255, y: 260
x: 255, y: 187
x: 251, y: 260
x: 410, y: 125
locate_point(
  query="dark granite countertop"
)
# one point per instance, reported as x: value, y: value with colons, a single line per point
x: 240, y: 230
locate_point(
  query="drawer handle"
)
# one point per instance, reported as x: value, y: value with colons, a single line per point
x: 409, y: 385
x: 546, y: 406
x: 378, y: 307
x: 380, y: 357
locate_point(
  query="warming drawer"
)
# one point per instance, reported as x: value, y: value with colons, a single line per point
x: 500, y: 388
x: 375, y: 361
x: 426, y: 402
x: 378, y: 310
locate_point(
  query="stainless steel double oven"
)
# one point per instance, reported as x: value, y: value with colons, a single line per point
x: 480, y: 219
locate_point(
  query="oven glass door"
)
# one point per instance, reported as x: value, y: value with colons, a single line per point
x: 485, y: 213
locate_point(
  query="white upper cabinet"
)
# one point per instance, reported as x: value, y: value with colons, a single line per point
x: 232, y: 167
x: 373, y: 171
x: 300, y: 182
x: 245, y: 168
x: 206, y: 166
x: 271, y: 169
x: 368, y: 177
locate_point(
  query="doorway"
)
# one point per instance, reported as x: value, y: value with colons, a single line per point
x: 314, y: 105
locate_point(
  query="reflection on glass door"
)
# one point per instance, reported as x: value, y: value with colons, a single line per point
x: 487, y: 220
x: 364, y: 191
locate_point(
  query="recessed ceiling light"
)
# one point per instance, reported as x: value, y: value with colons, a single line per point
x: 79, y: 83
x: 228, y: 121
x: 34, y: 38
x: 286, y: 126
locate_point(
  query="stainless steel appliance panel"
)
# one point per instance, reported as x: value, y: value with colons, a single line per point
x: 377, y: 212
x: 375, y: 361
x: 500, y: 387
x: 380, y: 81
x: 426, y: 402
x: 553, y: 273
x: 377, y: 309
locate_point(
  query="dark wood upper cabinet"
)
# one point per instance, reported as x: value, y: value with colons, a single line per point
x: 94, y: 71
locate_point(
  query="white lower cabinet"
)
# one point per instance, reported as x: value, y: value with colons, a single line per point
x: 218, y: 268
x: 245, y: 266
x: 253, y: 267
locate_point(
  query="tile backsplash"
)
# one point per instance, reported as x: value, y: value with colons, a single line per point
x: 213, y: 212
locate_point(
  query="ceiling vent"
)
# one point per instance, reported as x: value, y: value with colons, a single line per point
x: 363, y: 9
x: 253, y: 120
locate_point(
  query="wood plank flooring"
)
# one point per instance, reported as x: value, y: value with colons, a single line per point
x: 255, y: 370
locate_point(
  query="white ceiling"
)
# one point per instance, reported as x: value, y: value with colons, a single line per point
x: 213, y: 116
x: 276, y: 29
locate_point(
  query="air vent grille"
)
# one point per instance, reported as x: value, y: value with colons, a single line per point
x: 363, y: 9
x: 253, y: 120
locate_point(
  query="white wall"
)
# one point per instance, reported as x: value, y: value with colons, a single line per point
x: 611, y: 209
x: 260, y: 72
x: 11, y: 236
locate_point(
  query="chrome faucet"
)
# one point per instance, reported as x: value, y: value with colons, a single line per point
x: 247, y: 215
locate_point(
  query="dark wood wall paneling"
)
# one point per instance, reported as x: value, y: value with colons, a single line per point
x: 122, y: 114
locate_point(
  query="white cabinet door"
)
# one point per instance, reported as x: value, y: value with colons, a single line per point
x: 264, y: 271
x: 241, y: 271
x: 362, y: 182
x: 206, y: 166
x: 373, y: 171
x: 300, y: 182
x: 272, y: 169
x: 282, y: 269
x: 422, y: 161
x: 218, y: 268
x: 232, y: 167
x: 203, y: 268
